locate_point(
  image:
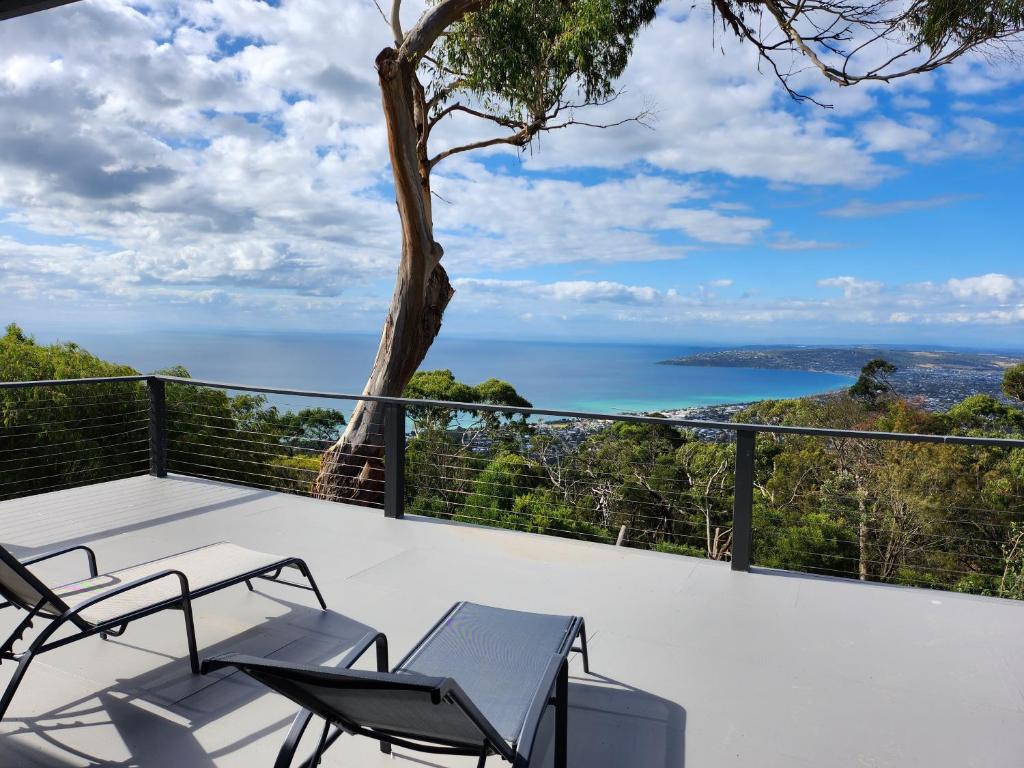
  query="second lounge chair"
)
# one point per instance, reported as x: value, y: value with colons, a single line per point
x: 477, y: 684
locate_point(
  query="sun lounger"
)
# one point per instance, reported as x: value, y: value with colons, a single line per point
x: 104, y: 604
x: 477, y: 684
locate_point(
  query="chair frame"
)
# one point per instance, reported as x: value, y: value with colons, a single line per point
x: 552, y: 690
x: 116, y: 626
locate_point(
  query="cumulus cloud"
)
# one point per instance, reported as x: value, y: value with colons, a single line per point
x: 500, y: 221
x: 232, y: 155
x: 861, y: 301
x: 573, y: 291
x: 925, y: 139
x: 851, y: 286
x: 716, y: 112
x: 887, y: 135
x: 990, y: 287
x: 175, y: 164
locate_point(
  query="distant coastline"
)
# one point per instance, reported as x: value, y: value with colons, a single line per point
x: 936, y: 378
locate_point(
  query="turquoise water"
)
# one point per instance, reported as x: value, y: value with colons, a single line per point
x: 594, y: 377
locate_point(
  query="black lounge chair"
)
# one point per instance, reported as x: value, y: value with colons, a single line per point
x: 104, y: 604
x: 477, y: 684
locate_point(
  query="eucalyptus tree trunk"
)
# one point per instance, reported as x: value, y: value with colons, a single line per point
x: 352, y: 469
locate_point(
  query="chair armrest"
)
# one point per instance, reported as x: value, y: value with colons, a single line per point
x: 373, y: 637
x: 361, y: 646
x: 469, y: 709
x: 531, y: 724
x: 89, y: 554
x: 303, y: 717
x: 182, y: 579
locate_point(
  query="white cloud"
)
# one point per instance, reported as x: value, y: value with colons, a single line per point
x: 887, y: 135
x: 785, y: 241
x: 159, y: 167
x: 573, y: 291
x: 863, y: 209
x: 910, y: 101
x: 852, y: 287
x: 979, y: 74
x: 990, y: 287
x: 924, y: 139
x: 861, y: 302
x: 142, y: 147
x: 498, y: 221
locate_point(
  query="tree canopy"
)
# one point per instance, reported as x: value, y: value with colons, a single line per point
x: 527, y: 65
x: 55, y: 437
x: 1013, y: 382
x: 873, y: 381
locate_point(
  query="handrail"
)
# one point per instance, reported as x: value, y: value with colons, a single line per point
x: 65, y: 382
x: 394, y: 434
x: 729, y: 426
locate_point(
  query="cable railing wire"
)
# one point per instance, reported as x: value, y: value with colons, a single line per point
x: 573, y: 489
x: 83, y: 470
x: 10, y: 409
x: 70, y: 484
x: 69, y: 442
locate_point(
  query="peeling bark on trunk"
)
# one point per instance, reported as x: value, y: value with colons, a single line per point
x: 353, y: 469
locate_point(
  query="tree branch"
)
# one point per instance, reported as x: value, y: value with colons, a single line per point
x: 644, y: 119
x: 457, y: 107
x: 817, y: 29
x: 524, y: 132
x: 432, y: 24
x: 519, y: 139
x: 396, y: 21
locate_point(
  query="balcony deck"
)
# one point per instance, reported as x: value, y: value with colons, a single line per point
x: 696, y: 665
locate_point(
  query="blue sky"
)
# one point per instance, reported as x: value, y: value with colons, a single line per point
x: 222, y: 164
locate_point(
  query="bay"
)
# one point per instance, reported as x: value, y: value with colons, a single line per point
x: 601, y: 377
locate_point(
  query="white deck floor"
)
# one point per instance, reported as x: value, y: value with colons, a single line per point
x: 697, y: 666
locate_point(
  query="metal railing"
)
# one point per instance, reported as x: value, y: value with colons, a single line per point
x: 152, y: 432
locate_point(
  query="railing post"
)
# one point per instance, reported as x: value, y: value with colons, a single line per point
x: 157, y: 427
x: 743, y: 500
x: 394, y: 461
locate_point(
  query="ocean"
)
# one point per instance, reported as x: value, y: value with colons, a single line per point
x: 605, y: 377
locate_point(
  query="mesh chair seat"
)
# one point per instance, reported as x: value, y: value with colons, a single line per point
x: 497, y: 656
x: 203, y: 567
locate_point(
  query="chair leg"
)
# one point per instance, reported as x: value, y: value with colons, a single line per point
x: 312, y: 583
x: 12, y: 686
x: 562, y: 716
x: 321, y: 746
x: 24, y: 660
x: 382, y: 666
x: 291, y: 742
x: 113, y: 632
x: 482, y: 760
x: 190, y: 631
x: 583, y: 647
